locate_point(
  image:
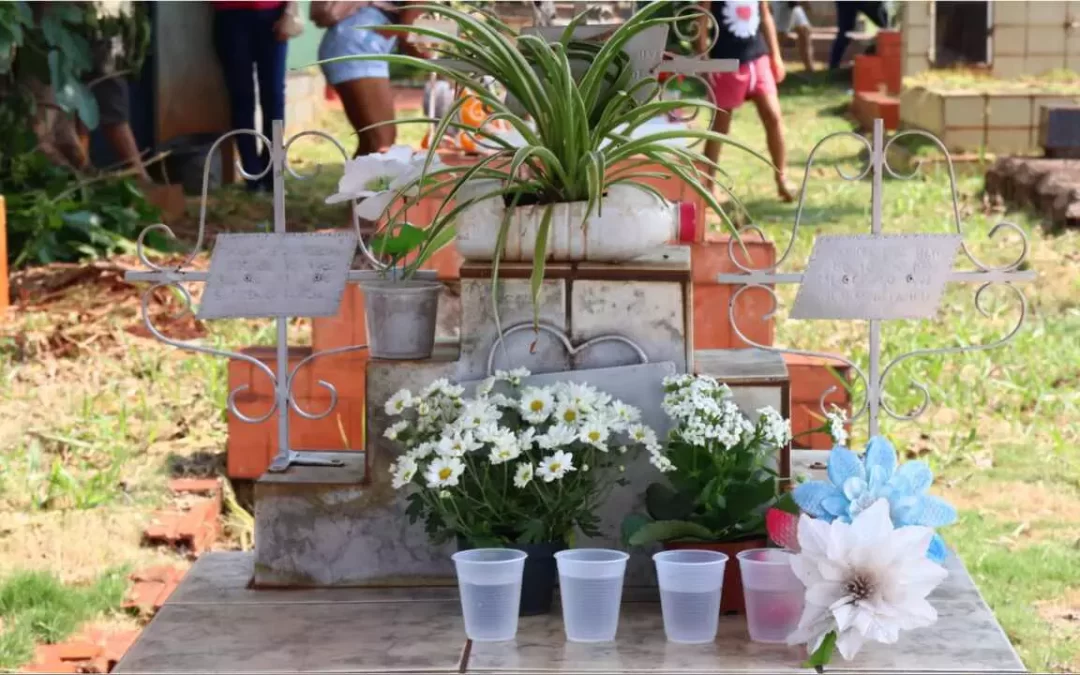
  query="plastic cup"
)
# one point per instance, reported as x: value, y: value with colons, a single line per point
x: 774, y: 595
x: 590, y: 585
x: 691, y: 582
x: 489, y: 580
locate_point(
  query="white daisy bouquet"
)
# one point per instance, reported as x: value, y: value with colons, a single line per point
x: 516, y: 464
x: 719, y: 465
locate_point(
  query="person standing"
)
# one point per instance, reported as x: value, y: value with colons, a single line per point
x: 746, y: 32
x: 791, y: 17
x: 363, y: 86
x: 847, y: 13
x: 251, y: 40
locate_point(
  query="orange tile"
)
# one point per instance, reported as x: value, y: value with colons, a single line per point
x: 346, y: 327
x: 812, y: 376
x: 712, y: 328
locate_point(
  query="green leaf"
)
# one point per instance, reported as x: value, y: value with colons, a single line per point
x: 787, y: 504
x: 400, y: 243
x: 669, y: 530
x: 631, y: 524
x: 663, y: 503
x: 821, y: 657
x: 539, y: 257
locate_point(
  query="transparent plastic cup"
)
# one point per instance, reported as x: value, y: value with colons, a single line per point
x: 691, y: 582
x: 489, y: 580
x: 590, y: 584
x: 774, y: 595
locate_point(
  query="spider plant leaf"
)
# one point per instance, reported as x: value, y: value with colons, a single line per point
x: 539, y: 258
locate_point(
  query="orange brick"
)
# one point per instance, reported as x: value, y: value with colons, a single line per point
x: 117, y: 644
x: 195, y: 485
x: 79, y: 650
x: 144, y: 595
x: 712, y: 327
x: 447, y: 262
x: 812, y: 376
x: 346, y: 327
x: 867, y: 74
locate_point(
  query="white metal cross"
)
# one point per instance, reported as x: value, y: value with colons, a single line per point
x: 877, y: 277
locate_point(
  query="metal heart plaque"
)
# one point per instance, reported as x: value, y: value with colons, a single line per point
x: 875, y: 276
x: 277, y: 274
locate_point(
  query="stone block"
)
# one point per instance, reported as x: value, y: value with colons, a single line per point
x: 1045, y: 12
x: 657, y: 325
x: 1035, y: 64
x: 540, y: 353
x: 325, y: 526
x: 1008, y: 66
x: 1008, y: 141
x: 916, y: 13
x: 1046, y: 40
x: 917, y: 40
x: 1010, y: 41
x: 1010, y: 13
x: 1009, y: 111
x: 963, y: 139
x: 965, y: 110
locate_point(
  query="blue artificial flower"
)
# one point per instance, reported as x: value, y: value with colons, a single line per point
x: 854, y: 484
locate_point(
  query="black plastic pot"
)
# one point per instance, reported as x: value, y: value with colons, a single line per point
x: 538, y: 578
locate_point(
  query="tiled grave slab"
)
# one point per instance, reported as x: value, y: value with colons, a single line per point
x: 214, y: 623
x: 324, y: 637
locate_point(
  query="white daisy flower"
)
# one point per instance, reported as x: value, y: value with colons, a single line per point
x: 625, y: 413
x: 558, y: 436
x: 594, y: 434
x: 526, y: 439
x: 399, y: 402
x: 477, y: 414
x: 523, y: 475
x: 422, y: 451
x: 501, y: 454
x: 457, y: 445
x: 537, y: 404
x: 444, y: 472
x: 485, y: 387
x: 402, y: 471
x: 639, y: 433
x: 394, y: 430
x: 569, y: 414
x: 555, y: 466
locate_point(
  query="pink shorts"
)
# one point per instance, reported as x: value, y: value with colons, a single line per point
x: 731, y: 90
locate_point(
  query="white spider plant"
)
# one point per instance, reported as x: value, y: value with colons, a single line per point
x: 574, y: 127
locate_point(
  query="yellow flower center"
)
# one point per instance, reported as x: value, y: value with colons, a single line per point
x: 536, y: 406
x: 594, y: 436
x: 445, y: 473
x: 554, y: 467
x: 569, y: 416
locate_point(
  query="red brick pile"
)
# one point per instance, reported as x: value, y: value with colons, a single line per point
x: 93, y: 651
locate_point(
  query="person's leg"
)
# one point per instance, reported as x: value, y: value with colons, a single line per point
x: 805, y: 47
x: 721, y: 124
x: 727, y: 91
x: 767, y: 100
x: 270, y: 56
x: 846, y: 13
x: 232, y: 40
x: 367, y: 101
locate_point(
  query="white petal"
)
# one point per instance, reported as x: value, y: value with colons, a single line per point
x: 805, y: 570
x: 813, y: 536
x: 824, y: 594
x: 873, y: 524
x: 399, y: 153
x: 849, y: 643
x: 373, y: 207
x: 844, y: 613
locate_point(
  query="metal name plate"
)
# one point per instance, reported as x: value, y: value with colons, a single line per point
x: 875, y: 276
x: 277, y: 274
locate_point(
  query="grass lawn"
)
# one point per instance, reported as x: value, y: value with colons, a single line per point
x: 94, y: 418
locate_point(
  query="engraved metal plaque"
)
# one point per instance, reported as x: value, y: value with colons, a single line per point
x: 875, y: 276
x: 277, y: 274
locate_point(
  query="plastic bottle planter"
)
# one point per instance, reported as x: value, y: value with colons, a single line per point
x: 400, y: 317
x: 630, y: 223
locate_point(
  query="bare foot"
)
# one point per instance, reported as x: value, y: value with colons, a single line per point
x: 783, y: 190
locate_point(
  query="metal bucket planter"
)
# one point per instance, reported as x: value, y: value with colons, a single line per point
x: 630, y: 223
x: 400, y: 317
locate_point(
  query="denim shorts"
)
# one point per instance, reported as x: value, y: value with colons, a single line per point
x: 344, y: 39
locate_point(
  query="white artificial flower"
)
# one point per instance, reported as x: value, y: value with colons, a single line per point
x: 402, y: 471
x: 394, y: 430
x: 558, y: 436
x: 444, y: 472
x: 377, y: 179
x: 537, y: 404
x: 523, y: 475
x: 399, y: 402
x: 594, y: 434
x: 864, y: 580
x: 457, y: 445
x: 555, y: 466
